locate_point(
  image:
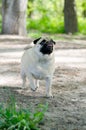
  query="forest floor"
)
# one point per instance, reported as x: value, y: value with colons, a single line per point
x: 67, y: 110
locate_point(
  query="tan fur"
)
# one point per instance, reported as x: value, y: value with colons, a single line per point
x: 37, y: 66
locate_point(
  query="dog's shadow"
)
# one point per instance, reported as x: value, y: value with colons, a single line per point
x: 20, y: 94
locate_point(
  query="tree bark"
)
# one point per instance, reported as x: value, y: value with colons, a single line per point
x: 14, y: 17
x: 70, y: 17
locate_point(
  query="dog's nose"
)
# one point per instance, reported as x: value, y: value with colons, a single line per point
x: 50, y: 46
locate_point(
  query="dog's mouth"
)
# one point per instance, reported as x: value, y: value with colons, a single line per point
x: 47, y: 49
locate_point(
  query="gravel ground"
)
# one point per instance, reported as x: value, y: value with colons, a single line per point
x: 67, y: 110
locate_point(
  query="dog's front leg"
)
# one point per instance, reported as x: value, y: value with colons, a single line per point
x: 37, y: 83
x: 32, y: 83
x: 48, y: 87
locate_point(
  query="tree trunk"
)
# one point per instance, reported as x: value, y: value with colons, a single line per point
x: 14, y: 17
x: 70, y: 17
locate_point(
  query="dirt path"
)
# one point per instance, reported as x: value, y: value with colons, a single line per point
x: 67, y: 110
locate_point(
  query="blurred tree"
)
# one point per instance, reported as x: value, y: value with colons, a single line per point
x: 14, y: 17
x: 70, y: 17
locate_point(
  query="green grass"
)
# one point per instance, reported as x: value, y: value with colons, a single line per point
x: 13, y: 117
x: 34, y: 33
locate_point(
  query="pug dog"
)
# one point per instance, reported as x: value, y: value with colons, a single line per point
x: 38, y: 63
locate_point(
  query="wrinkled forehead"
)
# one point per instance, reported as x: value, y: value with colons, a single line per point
x: 44, y: 41
x: 41, y: 41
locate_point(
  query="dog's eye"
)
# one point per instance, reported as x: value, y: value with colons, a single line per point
x: 43, y: 42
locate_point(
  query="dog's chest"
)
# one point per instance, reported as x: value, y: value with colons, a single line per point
x: 43, y: 63
x: 41, y: 69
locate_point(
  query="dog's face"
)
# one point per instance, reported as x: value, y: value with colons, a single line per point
x: 44, y: 45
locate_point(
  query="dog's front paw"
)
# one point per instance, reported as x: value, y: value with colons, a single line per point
x: 49, y: 95
x: 33, y: 88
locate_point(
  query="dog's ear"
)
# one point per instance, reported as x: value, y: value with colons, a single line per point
x: 36, y: 40
x: 53, y: 41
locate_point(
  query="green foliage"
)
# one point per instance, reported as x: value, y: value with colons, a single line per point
x: 82, y: 25
x: 84, y: 4
x: 46, y: 25
x: 13, y: 117
x: 0, y: 22
x: 30, y: 7
x: 47, y: 17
